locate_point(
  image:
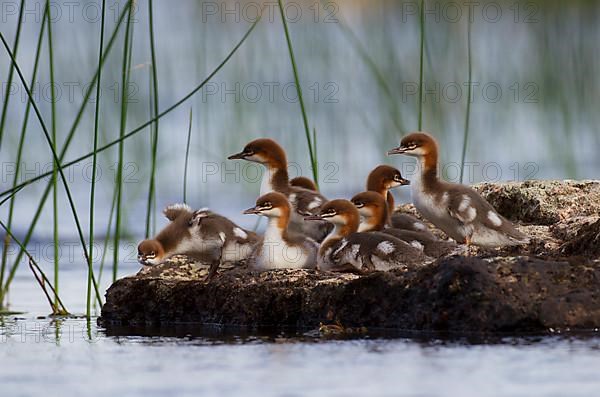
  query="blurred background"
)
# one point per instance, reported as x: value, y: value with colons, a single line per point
x: 535, y: 91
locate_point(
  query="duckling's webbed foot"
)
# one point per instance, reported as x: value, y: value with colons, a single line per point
x: 213, y: 270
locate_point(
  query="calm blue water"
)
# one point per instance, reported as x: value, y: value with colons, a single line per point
x: 40, y: 356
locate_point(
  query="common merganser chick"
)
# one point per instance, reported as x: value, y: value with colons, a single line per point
x: 381, y: 180
x: 456, y: 209
x: 201, y: 235
x: 345, y: 249
x: 280, y: 248
x: 373, y: 210
x: 304, y: 202
x: 304, y: 182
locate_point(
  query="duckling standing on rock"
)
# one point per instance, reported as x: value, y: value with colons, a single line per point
x: 201, y: 235
x: 373, y: 210
x: 456, y: 209
x: 345, y: 249
x: 303, y: 201
x: 281, y: 249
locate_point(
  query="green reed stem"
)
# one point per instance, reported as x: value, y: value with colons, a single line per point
x: 21, y: 145
x: 11, y: 72
x: 313, y: 159
x: 94, y: 167
x: 469, y: 93
x: 151, y: 191
x: 54, y: 144
x: 123, y: 126
x: 187, y: 157
x: 54, y: 154
x: 142, y: 126
x: 422, y: 25
x: 68, y: 141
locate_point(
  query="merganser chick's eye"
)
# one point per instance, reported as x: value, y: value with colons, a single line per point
x: 358, y: 203
x: 329, y: 213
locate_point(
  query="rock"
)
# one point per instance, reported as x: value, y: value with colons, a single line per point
x: 543, y: 202
x: 553, y: 283
x: 452, y: 294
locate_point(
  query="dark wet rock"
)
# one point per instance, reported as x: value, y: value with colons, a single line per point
x: 452, y: 294
x: 552, y: 283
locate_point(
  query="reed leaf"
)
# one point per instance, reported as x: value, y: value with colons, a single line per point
x: 469, y: 93
x: 95, y: 166
x: 126, y: 66
x: 143, y: 125
x: 187, y: 156
x: 20, y: 147
x: 154, y: 100
x: 54, y: 153
x: 68, y: 140
x: 313, y: 159
x: 11, y: 72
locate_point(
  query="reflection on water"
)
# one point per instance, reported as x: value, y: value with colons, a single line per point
x: 94, y: 362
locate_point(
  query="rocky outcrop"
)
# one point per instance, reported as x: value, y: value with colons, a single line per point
x: 553, y: 283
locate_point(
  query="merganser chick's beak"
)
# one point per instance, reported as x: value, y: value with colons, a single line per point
x: 240, y: 156
x: 401, y: 181
x: 313, y: 218
x: 401, y: 149
x: 252, y: 211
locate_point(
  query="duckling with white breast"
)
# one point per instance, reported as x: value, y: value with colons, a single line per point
x: 303, y: 201
x: 456, y: 209
x: 381, y: 180
x: 373, y: 211
x: 280, y: 248
x: 201, y: 235
x: 345, y: 249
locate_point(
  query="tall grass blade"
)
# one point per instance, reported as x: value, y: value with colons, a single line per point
x: 143, y: 125
x: 123, y: 125
x: 187, y: 157
x: 11, y: 207
x: 11, y: 72
x: 422, y: 25
x: 95, y: 167
x: 66, y: 145
x: 54, y: 144
x: 469, y: 93
x: 154, y: 99
x: 54, y: 154
x: 313, y: 159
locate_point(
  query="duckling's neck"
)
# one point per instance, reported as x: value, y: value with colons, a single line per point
x: 275, y: 178
x: 277, y: 228
x: 429, y: 177
x: 373, y: 223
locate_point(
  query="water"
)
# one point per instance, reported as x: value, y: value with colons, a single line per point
x: 49, y: 357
